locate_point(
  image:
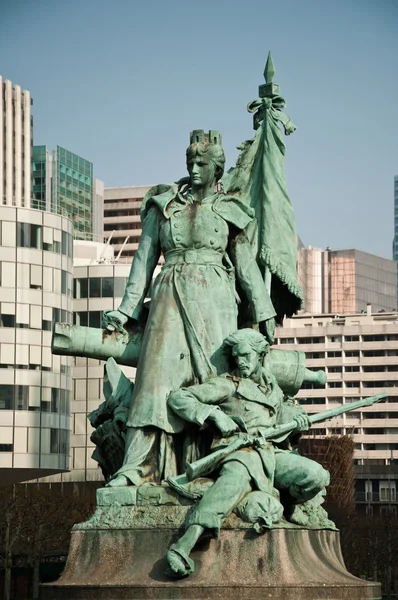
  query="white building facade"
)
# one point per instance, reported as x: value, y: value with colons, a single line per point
x: 360, y: 356
x: 36, y: 285
x: 16, y: 127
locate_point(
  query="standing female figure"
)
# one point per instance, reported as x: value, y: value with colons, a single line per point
x: 193, y: 307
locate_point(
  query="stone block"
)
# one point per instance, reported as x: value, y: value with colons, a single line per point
x: 124, y: 496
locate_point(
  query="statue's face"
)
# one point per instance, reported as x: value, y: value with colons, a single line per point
x: 246, y: 358
x: 202, y: 171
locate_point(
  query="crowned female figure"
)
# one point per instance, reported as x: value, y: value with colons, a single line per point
x: 194, y: 301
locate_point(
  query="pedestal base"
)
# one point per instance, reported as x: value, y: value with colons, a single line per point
x: 119, y: 554
x: 280, y: 564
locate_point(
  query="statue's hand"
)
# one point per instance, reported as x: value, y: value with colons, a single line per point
x: 303, y: 422
x: 114, y: 320
x: 223, y: 422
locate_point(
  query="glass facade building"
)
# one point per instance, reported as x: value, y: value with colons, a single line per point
x: 73, y: 189
x: 63, y: 183
x: 41, y: 178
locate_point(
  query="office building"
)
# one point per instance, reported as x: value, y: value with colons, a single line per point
x: 359, y: 353
x: 346, y: 281
x: 122, y: 223
x: 36, y: 285
x: 42, y: 179
x: 63, y: 182
x: 16, y: 132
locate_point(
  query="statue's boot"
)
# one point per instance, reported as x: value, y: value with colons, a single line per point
x: 119, y: 481
x: 180, y: 565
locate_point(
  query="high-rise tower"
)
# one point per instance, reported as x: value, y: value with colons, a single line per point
x: 16, y: 125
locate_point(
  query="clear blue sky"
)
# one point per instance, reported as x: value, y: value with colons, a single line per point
x: 123, y: 82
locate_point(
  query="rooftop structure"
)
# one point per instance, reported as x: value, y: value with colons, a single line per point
x: 16, y: 132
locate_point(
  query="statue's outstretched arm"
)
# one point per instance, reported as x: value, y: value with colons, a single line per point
x: 143, y: 266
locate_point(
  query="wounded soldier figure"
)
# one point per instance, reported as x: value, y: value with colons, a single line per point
x: 244, y: 405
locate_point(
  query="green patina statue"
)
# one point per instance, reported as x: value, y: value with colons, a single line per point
x: 251, y: 401
x: 205, y: 437
x: 193, y: 303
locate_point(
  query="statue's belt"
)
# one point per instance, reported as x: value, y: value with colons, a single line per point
x: 199, y: 257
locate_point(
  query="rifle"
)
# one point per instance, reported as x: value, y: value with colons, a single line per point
x: 205, y: 465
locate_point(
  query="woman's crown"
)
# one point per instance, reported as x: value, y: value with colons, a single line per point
x: 198, y: 136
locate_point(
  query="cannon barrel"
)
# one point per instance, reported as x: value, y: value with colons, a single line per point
x: 91, y: 342
x: 288, y: 366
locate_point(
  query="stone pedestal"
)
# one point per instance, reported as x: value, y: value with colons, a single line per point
x: 119, y: 554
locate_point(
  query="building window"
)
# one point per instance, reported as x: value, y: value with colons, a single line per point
x: 312, y: 401
x: 6, y: 397
x: 7, y: 320
x: 64, y: 243
x: 373, y: 338
x: 80, y: 288
x: 64, y: 282
x: 311, y: 340
x: 55, y: 397
x: 29, y: 236
x: 95, y: 319
x: 95, y: 287
x: 6, y: 447
x: 63, y: 441
x: 351, y: 338
x: 334, y: 354
x: 21, y: 397
x: 315, y: 354
x: 286, y: 340
x: 46, y: 325
x: 107, y: 288
x: 387, y: 491
x: 54, y: 441
x: 80, y: 318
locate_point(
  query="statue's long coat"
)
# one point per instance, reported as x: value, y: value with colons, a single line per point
x: 193, y: 301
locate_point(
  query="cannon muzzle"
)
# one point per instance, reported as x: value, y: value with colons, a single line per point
x: 91, y: 342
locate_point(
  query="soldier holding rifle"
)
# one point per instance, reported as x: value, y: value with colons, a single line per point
x: 249, y: 410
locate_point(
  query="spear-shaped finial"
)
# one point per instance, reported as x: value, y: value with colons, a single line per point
x: 269, y: 70
x: 269, y: 89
